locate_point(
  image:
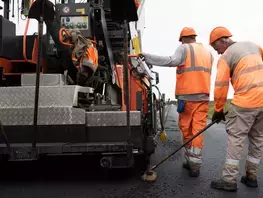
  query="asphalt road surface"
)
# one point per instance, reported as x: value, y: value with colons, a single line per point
x: 80, y: 179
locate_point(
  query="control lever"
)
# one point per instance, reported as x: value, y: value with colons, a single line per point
x: 142, y: 57
x: 143, y: 68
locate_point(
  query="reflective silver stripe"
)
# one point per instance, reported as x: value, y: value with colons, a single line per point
x: 192, y: 63
x: 245, y: 88
x: 232, y: 162
x: 88, y: 63
x: 193, y: 97
x: 198, y: 68
x: 245, y: 71
x: 192, y: 55
x: 195, y: 151
x: 195, y: 160
x: 222, y: 83
x: 211, y: 61
x: 253, y: 160
x: 237, y: 51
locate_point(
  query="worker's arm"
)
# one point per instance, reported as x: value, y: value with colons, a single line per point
x: 221, y: 84
x: 260, y: 50
x: 175, y: 60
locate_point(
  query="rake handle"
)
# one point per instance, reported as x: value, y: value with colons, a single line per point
x: 183, y: 145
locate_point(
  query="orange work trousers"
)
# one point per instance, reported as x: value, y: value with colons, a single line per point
x: 191, y: 121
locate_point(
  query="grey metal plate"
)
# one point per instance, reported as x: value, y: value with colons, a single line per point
x: 49, y: 96
x: 46, y: 116
x: 45, y: 79
x: 59, y: 148
x: 112, y: 118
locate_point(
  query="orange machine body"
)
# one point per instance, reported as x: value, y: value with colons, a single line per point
x: 135, y: 86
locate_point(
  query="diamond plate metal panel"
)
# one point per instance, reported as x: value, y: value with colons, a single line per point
x: 112, y: 118
x: 45, y: 79
x: 46, y: 116
x: 49, y: 96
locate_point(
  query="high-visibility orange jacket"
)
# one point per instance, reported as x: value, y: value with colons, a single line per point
x: 194, y: 76
x: 242, y: 62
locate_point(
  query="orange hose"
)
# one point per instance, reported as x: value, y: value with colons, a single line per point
x: 61, y: 37
x: 25, y: 34
x: 63, y: 30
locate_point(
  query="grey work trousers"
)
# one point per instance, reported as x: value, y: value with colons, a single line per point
x: 242, y: 123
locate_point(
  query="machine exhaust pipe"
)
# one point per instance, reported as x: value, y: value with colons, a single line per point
x: 106, y: 162
x: 116, y: 161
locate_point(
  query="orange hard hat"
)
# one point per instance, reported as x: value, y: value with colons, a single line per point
x: 187, y: 31
x: 218, y: 33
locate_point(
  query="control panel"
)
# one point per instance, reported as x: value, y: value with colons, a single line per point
x: 77, y: 16
x: 75, y: 22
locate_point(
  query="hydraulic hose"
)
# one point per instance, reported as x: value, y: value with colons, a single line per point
x: 5, y: 137
x: 160, y: 109
x: 161, y: 119
x: 53, y: 28
x: 101, y: 76
x: 65, y: 60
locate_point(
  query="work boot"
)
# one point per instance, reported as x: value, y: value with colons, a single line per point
x: 193, y: 171
x: 223, y: 185
x: 249, y: 182
x: 250, y: 178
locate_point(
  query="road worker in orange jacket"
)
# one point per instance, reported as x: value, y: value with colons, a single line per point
x: 241, y: 62
x: 193, y: 70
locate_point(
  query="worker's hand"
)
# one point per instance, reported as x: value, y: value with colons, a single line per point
x: 218, y: 116
x: 141, y: 54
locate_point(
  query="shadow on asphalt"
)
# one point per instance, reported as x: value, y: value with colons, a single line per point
x: 64, y: 169
x: 86, y: 168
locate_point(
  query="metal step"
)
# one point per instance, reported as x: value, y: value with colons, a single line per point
x: 23, y: 116
x: 45, y: 80
x: 49, y: 96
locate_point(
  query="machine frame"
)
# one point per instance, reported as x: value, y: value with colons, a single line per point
x: 119, y: 125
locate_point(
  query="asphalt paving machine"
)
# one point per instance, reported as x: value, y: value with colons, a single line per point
x: 55, y: 102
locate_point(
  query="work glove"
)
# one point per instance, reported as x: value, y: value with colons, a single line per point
x: 218, y: 116
x: 141, y: 54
